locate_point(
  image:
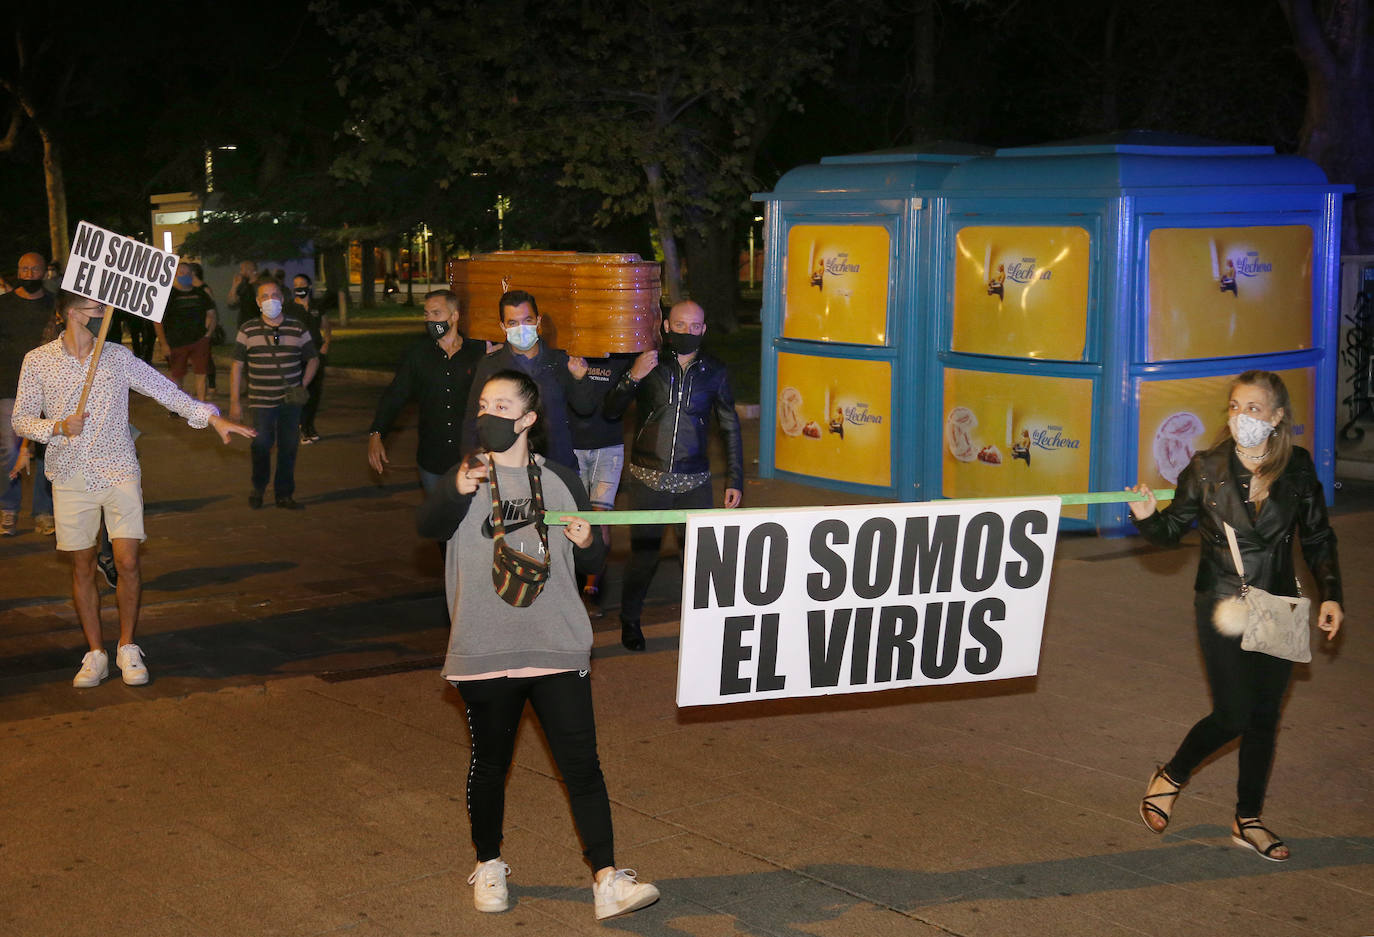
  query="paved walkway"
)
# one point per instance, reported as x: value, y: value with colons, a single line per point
x: 296, y: 767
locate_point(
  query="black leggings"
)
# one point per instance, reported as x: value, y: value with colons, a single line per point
x: 1247, y: 695
x: 563, y: 704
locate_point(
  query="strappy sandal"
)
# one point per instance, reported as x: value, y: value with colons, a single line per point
x: 1147, y: 805
x: 1240, y: 838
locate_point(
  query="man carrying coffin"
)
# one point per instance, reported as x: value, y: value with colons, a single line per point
x: 93, y: 466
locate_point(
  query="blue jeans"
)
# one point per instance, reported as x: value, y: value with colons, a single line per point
x: 428, y: 481
x: 12, y: 490
x: 280, y: 426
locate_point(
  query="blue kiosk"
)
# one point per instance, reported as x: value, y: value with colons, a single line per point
x: 957, y: 323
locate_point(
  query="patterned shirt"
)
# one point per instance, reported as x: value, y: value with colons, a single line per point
x: 50, y: 388
x: 275, y: 357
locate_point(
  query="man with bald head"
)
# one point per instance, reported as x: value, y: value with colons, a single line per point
x: 26, y: 314
x: 677, y: 390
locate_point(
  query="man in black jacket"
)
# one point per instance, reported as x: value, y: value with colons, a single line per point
x: 676, y: 392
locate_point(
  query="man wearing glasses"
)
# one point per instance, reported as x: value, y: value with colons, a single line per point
x: 94, y: 469
x: 676, y: 390
x: 279, y: 359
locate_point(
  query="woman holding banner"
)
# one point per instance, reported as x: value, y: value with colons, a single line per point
x: 1261, y: 485
x: 520, y: 632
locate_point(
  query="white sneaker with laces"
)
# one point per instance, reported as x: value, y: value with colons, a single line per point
x: 129, y: 660
x: 620, y: 893
x: 488, y: 883
x: 95, y: 666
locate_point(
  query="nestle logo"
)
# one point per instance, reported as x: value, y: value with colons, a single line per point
x: 1024, y: 271
x: 1250, y: 265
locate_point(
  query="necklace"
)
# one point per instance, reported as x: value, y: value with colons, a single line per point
x: 1252, y: 458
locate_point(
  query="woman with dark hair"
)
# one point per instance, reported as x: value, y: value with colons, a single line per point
x: 1255, y: 480
x: 513, y: 643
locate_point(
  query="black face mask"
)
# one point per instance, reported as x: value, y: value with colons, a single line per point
x: 93, y: 326
x: 437, y: 330
x: 31, y: 286
x: 495, y: 433
x: 681, y: 343
x: 301, y: 291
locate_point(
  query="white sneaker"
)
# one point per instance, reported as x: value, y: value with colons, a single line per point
x: 620, y: 893
x: 95, y: 666
x: 488, y: 883
x: 129, y: 660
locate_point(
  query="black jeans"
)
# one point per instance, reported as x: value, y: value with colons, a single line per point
x: 647, y: 539
x: 315, y: 387
x: 563, y: 704
x: 279, y: 425
x: 1247, y: 695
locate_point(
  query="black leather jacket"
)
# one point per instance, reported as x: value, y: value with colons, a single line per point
x: 675, y: 408
x: 1207, y: 492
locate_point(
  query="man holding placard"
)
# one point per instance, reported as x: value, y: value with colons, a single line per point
x: 74, y: 396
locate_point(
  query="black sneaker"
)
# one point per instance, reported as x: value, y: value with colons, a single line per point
x: 631, y: 635
x: 107, y: 567
x: 290, y: 504
x: 255, y: 500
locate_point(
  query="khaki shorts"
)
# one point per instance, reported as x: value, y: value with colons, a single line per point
x: 77, y: 512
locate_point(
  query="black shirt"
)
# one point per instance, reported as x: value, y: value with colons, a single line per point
x: 596, y: 431
x: 22, y: 322
x: 184, y: 321
x: 440, y: 385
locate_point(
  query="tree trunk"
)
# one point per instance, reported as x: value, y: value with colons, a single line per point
x: 369, y: 277
x: 663, y: 214
x: 713, y: 273
x: 921, y: 86
x: 336, y: 276
x: 57, y: 198
x: 1338, y: 127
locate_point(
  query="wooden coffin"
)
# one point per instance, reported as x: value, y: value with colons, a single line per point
x: 590, y: 304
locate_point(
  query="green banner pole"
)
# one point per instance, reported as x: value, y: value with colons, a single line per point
x: 554, y: 518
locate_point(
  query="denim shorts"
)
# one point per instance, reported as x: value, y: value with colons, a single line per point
x: 600, y: 472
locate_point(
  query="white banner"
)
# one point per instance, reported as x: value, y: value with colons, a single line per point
x: 120, y: 272
x: 813, y: 601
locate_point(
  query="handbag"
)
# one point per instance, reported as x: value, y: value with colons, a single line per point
x: 1277, y: 625
x: 517, y: 576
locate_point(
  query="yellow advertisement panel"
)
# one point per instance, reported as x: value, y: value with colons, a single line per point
x: 836, y: 283
x: 1016, y: 434
x: 1180, y: 417
x: 1021, y: 292
x: 1219, y: 292
x: 834, y: 419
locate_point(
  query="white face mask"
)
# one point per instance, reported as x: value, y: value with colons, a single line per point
x: 522, y: 337
x: 1249, y: 431
x: 271, y: 308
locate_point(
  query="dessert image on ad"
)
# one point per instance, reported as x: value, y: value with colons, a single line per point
x: 1173, y: 445
x: 959, y: 427
x: 789, y: 411
x: 991, y: 455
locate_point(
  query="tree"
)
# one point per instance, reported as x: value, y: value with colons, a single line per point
x: 1335, y: 41
x: 657, y: 107
x: 25, y: 81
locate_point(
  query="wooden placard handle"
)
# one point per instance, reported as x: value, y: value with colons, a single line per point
x: 95, y: 360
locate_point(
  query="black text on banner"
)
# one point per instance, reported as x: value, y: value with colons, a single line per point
x: 814, y: 601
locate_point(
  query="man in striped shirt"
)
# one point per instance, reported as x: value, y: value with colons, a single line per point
x: 279, y: 359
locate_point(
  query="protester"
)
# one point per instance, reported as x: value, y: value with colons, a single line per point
x: 599, y: 446
x: 243, y: 292
x: 437, y: 373
x: 1261, y: 484
x: 278, y: 357
x: 94, y: 469
x: 216, y: 334
x: 670, y: 468
x: 26, y: 321
x: 561, y: 378
x: 185, y: 330
x: 502, y: 655
x: 316, y: 321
